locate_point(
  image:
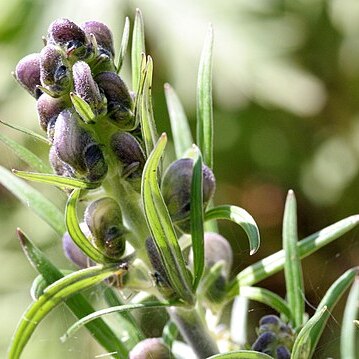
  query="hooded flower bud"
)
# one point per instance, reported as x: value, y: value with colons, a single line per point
x: 54, y: 71
x: 70, y: 37
x: 104, y: 219
x: 282, y: 353
x: 86, y: 87
x: 269, y: 323
x: 27, y: 73
x: 60, y: 168
x: 119, y: 101
x: 149, y: 349
x: 129, y: 152
x: 176, y: 190
x: 102, y: 34
x: 49, y: 108
x: 265, y: 343
x: 76, y: 147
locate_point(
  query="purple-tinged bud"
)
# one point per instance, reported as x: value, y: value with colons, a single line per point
x: 104, y: 219
x: 48, y: 108
x: 102, y: 34
x: 54, y: 71
x: 265, y: 342
x: 269, y: 323
x: 150, y: 348
x: 60, y: 168
x: 86, y: 88
x: 27, y: 73
x: 129, y: 152
x: 76, y: 147
x: 70, y: 37
x: 119, y: 101
x: 73, y: 252
x: 282, y: 353
x: 176, y: 190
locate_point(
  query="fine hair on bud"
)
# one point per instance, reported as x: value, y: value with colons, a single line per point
x: 150, y: 348
x: 60, y: 167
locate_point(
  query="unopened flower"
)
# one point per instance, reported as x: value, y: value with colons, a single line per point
x: 150, y: 348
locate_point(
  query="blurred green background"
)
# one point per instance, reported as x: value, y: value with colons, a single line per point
x: 286, y: 109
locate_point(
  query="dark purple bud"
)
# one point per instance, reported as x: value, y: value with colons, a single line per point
x: 48, y: 108
x: 54, y: 71
x: 27, y: 72
x: 265, y: 342
x: 176, y: 190
x: 60, y: 168
x: 76, y: 147
x: 73, y: 252
x: 282, y: 353
x: 270, y: 319
x: 119, y: 101
x: 70, y: 37
x: 102, y: 34
x: 129, y: 152
x: 86, y: 88
x: 151, y: 348
x: 104, y: 219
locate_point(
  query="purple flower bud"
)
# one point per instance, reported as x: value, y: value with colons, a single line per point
x: 54, y: 71
x: 282, y: 353
x: 119, y: 101
x: 104, y: 219
x: 70, y: 37
x: 60, y: 168
x: 265, y: 342
x: 176, y: 190
x: 27, y: 72
x: 86, y: 87
x: 48, y: 108
x: 102, y: 34
x: 149, y: 349
x: 75, y: 146
x: 270, y: 319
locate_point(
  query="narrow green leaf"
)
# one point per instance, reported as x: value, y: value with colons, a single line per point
x: 139, y: 94
x: 239, y: 321
x: 77, y: 303
x: 148, y: 126
x: 275, y: 262
x: 197, y: 231
x: 34, y: 200
x: 161, y: 227
x: 181, y: 132
x: 302, y: 345
x: 124, y: 44
x: 24, y: 154
x: 138, y: 48
x: 239, y: 354
x: 76, y: 233
x: 82, y: 108
x: 28, y: 132
x: 349, y: 332
x: 204, y: 101
x: 169, y: 333
x: 56, y: 180
x: 80, y: 323
x: 242, y: 218
x: 292, y: 265
x: 54, y: 295
x: 267, y: 297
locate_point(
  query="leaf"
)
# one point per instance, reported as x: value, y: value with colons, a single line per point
x: 266, y: 297
x: 292, y: 265
x: 349, y: 332
x: 77, y: 303
x: 82, y: 108
x: 197, y: 231
x: 161, y: 227
x: 275, y: 262
x: 181, y: 131
x: 242, y: 218
x: 54, y: 295
x: 80, y: 323
x: 124, y: 44
x: 34, y: 200
x: 239, y: 321
x: 204, y: 101
x: 169, y: 333
x: 239, y: 354
x: 76, y: 233
x: 24, y: 154
x: 56, y: 180
x: 138, y: 48
x: 28, y: 132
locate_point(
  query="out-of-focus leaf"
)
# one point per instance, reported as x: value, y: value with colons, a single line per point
x: 239, y: 354
x: 124, y: 44
x: 138, y: 48
x: 169, y: 333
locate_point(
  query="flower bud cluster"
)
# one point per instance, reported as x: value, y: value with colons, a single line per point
x: 275, y: 338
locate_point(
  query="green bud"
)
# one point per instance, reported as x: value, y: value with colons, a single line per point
x: 119, y: 100
x: 104, y: 219
x: 150, y: 348
x: 176, y: 190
